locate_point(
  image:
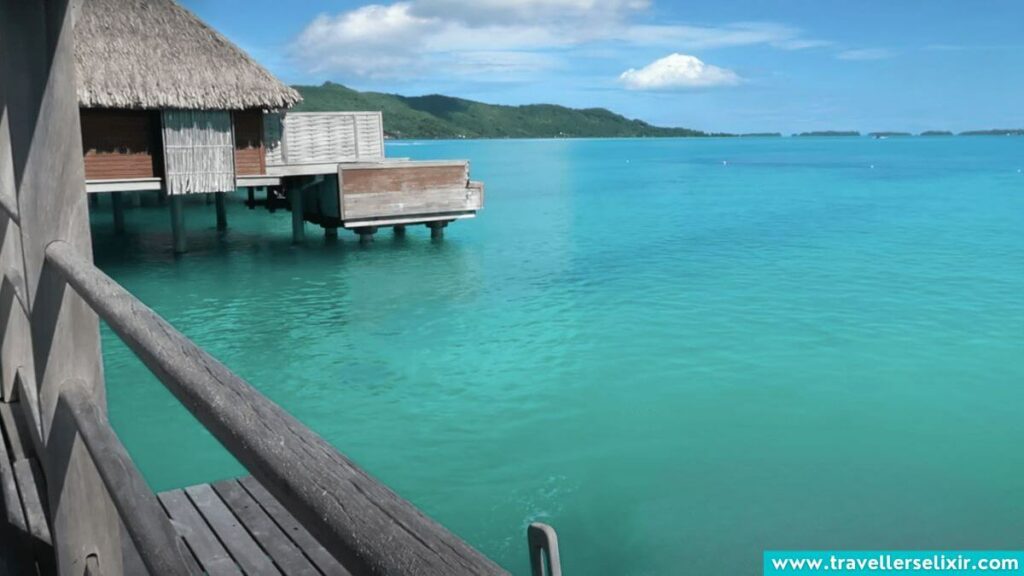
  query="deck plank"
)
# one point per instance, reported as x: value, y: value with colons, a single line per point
x: 29, y: 479
x: 12, y: 502
x: 285, y: 554
x: 16, y: 429
x: 319, y: 555
x: 240, y: 544
x: 212, y: 556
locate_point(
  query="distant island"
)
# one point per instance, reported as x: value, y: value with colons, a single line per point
x: 936, y: 133
x: 437, y: 116
x: 888, y: 134
x: 829, y: 133
x: 996, y: 132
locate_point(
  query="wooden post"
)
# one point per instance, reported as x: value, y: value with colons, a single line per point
x: 366, y: 234
x: 222, y: 211
x: 331, y: 232
x: 251, y: 201
x: 437, y: 229
x: 117, y: 202
x: 298, y: 226
x: 178, y: 224
x: 400, y: 231
x: 46, y: 154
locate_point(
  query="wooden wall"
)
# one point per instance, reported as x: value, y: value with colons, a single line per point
x: 120, y: 144
x: 249, y: 152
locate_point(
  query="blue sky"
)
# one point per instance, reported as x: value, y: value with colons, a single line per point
x: 741, y: 65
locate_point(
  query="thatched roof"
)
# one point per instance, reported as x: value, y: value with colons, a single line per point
x: 155, y: 54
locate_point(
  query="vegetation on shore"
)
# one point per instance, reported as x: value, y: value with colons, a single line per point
x: 437, y: 116
x: 888, y: 134
x: 936, y: 133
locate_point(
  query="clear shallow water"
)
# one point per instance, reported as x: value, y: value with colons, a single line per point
x: 676, y: 362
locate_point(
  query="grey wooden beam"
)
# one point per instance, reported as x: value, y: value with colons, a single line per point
x: 153, y: 536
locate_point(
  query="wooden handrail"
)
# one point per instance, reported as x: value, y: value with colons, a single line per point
x: 153, y: 535
x: 365, y: 525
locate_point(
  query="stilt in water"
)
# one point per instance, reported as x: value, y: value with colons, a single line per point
x: 437, y: 229
x: 251, y: 202
x: 117, y: 203
x: 270, y: 198
x: 222, y: 210
x: 178, y: 224
x: 94, y: 200
x: 298, y: 226
x: 399, y: 231
x: 331, y: 233
x: 366, y: 234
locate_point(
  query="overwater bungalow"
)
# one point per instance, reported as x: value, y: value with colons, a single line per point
x: 168, y: 104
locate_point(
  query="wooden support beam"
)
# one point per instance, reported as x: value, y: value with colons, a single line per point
x: 153, y: 536
x: 366, y: 234
x: 117, y: 202
x: 180, y: 243
x: 251, y: 197
x: 298, y: 225
x: 400, y: 231
x: 222, y: 211
x: 437, y: 229
x: 331, y: 232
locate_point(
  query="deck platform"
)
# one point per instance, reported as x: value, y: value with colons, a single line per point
x: 236, y: 527
x: 230, y: 527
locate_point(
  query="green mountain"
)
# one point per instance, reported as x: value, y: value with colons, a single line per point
x: 437, y: 116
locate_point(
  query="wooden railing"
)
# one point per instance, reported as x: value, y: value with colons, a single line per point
x: 366, y: 526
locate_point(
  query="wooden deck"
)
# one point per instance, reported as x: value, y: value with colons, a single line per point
x: 237, y: 527
x: 230, y: 527
x: 26, y: 546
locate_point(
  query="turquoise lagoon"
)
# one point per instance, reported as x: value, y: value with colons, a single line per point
x: 679, y: 353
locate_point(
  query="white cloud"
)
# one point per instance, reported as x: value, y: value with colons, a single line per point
x: 468, y: 37
x: 678, y: 71
x: 865, y: 54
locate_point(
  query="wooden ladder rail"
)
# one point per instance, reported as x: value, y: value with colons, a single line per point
x: 365, y: 525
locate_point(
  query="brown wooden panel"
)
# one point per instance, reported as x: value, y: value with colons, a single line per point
x: 120, y: 144
x: 409, y: 178
x: 249, y: 154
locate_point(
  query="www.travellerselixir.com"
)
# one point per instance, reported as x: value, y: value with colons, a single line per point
x: 893, y: 562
